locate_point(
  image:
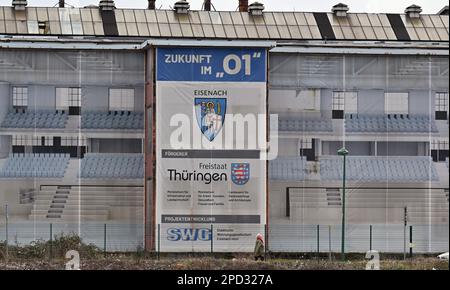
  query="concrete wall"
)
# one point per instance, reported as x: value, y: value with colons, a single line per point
x: 398, y: 149
x: 371, y: 102
x: 354, y: 148
x: 288, y: 147
x: 326, y: 98
x: 116, y: 146
x: 420, y: 102
x: 9, y: 194
x: 95, y: 98
x: 370, y: 76
x: 5, y: 100
x: 82, y: 68
x: 41, y: 97
x: 5, y: 92
x: 5, y: 145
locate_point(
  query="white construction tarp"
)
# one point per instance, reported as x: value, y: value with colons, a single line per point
x: 210, y: 133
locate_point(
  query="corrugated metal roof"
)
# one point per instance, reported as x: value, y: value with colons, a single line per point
x: 221, y: 25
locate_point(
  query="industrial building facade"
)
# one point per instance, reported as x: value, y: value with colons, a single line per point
x: 93, y: 100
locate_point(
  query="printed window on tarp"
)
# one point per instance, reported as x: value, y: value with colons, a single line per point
x: 66, y: 157
x: 393, y: 112
x: 20, y: 97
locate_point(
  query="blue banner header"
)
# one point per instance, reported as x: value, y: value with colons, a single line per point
x: 211, y: 64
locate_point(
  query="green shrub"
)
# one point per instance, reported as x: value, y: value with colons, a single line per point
x: 58, y: 248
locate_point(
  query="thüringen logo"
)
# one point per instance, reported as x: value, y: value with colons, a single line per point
x: 188, y: 234
x: 240, y: 173
x: 210, y: 114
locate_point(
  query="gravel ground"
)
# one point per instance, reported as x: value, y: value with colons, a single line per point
x: 132, y: 263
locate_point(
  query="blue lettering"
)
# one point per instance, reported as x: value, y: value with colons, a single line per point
x: 188, y: 234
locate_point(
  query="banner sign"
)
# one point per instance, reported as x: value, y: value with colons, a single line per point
x: 211, y: 65
x: 210, y: 132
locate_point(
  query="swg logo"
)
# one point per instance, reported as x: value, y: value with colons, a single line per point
x: 185, y: 234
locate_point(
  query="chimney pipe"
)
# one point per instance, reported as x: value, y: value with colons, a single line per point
x: 207, y: 5
x: 151, y: 4
x: 61, y: 4
x: 243, y: 5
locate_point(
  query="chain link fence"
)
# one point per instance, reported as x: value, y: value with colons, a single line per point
x: 280, y: 238
x: 109, y: 237
x: 386, y: 238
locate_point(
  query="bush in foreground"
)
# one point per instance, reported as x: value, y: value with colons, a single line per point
x: 41, y: 249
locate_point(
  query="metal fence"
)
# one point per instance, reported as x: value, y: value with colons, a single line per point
x: 284, y: 238
x: 386, y: 238
x: 112, y: 237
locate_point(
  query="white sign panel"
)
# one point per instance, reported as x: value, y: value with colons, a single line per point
x: 211, y: 131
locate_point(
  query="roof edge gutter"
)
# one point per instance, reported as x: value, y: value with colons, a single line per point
x: 85, y: 44
x: 364, y: 51
x: 88, y: 44
x: 208, y: 43
x: 66, y: 45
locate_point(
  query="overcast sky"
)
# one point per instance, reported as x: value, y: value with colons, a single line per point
x: 391, y: 6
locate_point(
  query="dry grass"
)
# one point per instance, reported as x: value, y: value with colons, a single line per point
x: 36, y: 257
x: 127, y: 262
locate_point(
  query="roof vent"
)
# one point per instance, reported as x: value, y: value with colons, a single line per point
x: 107, y: 5
x: 256, y: 9
x: 443, y: 11
x: 413, y: 11
x: 340, y: 10
x: 181, y: 7
x: 43, y: 27
x: 19, y: 5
